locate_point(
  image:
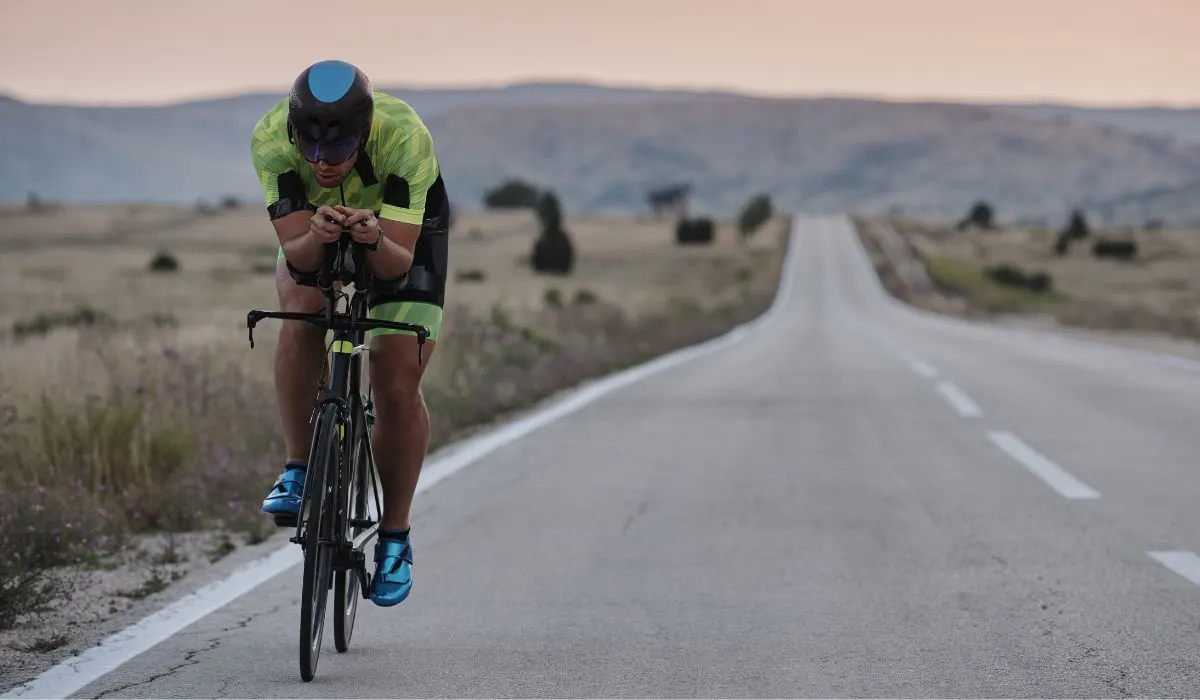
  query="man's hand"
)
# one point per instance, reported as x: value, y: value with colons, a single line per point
x: 324, y: 230
x: 363, y: 225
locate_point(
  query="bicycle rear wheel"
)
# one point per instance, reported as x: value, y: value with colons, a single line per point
x: 318, y: 526
x: 347, y: 588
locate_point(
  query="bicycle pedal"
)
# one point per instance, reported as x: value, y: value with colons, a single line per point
x: 285, y: 520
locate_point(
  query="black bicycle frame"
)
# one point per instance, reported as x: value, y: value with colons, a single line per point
x: 345, y: 377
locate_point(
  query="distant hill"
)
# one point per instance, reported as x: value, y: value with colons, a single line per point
x: 1179, y: 123
x: 601, y: 148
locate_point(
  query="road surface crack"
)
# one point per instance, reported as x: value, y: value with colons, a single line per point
x: 641, y: 510
x: 191, y: 657
x: 1117, y: 681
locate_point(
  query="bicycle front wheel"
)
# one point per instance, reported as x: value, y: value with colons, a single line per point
x: 317, y: 539
x: 346, y: 586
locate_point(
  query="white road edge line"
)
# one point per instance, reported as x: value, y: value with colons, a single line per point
x: 958, y: 399
x: 1186, y: 564
x: 1042, y: 467
x: 923, y: 368
x: 76, y: 672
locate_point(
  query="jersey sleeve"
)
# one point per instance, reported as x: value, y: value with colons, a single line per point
x: 410, y: 168
x: 275, y: 165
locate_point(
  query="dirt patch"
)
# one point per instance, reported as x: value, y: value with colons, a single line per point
x: 113, y: 589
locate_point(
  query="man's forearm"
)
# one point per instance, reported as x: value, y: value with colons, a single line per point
x: 305, y: 253
x: 390, y: 260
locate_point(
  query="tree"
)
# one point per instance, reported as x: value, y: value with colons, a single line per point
x: 553, y: 252
x: 981, y: 215
x: 756, y: 213
x: 512, y: 194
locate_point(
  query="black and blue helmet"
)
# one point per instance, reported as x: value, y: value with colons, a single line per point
x: 329, y: 111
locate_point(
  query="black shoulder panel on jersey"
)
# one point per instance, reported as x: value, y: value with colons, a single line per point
x: 366, y: 170
x: 292, y: 196
x: 395, y: 193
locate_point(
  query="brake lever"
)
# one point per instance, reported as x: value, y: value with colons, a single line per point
x: 252, y: 319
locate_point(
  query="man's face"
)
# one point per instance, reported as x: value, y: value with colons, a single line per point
x: 330, y: 175
x: 330, y: 161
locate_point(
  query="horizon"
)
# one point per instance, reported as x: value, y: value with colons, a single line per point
x: 699, y: 90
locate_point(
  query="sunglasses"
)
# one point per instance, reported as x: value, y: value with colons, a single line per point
x: 334, y: 153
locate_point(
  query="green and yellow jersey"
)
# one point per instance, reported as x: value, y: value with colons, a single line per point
x: 392, y: 177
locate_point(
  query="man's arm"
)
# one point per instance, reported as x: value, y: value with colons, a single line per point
x: 303, y: 237
x: 412, y: 169
x: 284, y: 194
x: 298, y: 247
x: 394, y: 256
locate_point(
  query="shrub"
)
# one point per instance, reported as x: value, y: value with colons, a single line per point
x: 1062, y: 244
x: 1039, y: 282
x: 694, y: 231
x: 472, y: 275
x: 1077, y: 228
x: 35, y: 203
x: 1121, y: 250
x: 1012, y: 276
x: 163, y: 261
x: 981, y: 215
x: 512, y: 194
x: 756, y: 213
x: 549, y: 212
x: 553, y: 252
x: 44, y: 323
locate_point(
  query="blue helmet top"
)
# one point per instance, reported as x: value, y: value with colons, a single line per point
x: 330, y: 101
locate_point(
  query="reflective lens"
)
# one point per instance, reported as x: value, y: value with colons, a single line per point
x: 332, y: 153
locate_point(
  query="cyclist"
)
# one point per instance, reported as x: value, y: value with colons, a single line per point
x: 336, y: 149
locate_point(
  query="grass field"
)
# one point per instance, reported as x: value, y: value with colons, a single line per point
x: 138, y: 430
x: 65, y: 261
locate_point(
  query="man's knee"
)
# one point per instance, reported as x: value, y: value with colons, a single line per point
x: 396, y: 370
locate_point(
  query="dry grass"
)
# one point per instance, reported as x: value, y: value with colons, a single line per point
x: 152, y: 414
x: 1157, y: 291
x: 75, y: 257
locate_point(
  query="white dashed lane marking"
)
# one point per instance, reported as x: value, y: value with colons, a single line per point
x: 1045, y: 469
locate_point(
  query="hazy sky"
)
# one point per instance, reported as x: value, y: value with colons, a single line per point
x: 154, y: 51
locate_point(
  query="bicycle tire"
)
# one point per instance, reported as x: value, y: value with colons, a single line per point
x: 346, y: 586
x: 317, y: 555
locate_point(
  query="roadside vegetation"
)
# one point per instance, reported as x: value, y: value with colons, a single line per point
x: 1127, y: 278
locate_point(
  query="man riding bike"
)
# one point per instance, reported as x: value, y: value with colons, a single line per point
x: 337, y: 154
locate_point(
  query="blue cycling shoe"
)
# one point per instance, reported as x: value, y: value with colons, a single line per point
x: 283, y: 501
x: 393, y: 571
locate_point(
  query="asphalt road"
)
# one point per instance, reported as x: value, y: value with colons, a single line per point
x: 855, y: 500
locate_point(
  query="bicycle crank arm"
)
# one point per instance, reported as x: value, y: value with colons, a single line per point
x: 360, y: 540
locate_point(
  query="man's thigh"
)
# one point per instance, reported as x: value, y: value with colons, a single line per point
x: 292, y: 296
x: 397, y: 360
x: 417, y: 313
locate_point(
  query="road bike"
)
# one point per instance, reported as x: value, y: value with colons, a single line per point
x: 336, y: 517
